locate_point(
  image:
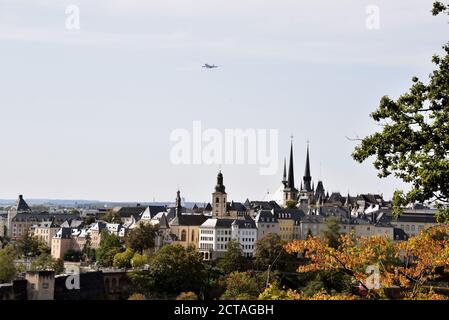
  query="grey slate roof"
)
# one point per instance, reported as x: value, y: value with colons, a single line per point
x: 44, y: 216
x: 295, y: 214
x: 21, y: 205
x: 72, y: 223
x: 247, y: 223
x: 266, y: 216
x: 224, y: 223
x: 312, y: 219
x: 387, y: 216
x: 163, y: 222
x: 236, y: 206
x: 64, y: 233
x: 188, y: 220
x: 127, y: 212
x: 154, y: 210
x: 264, y: 205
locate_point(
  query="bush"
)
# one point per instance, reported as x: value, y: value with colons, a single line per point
x: 137, y: 296
x: 139, y: 260
x: 123, y: 259
x: 73, y: 256
x: 187, y: 296
x: 240, y: 286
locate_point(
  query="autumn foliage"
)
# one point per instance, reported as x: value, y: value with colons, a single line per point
x: 411, y: 267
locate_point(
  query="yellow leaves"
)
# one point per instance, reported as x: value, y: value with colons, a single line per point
x: 322, y: 295
x: 407, y: 264
x: 273, y: 292
x: 430, y: 296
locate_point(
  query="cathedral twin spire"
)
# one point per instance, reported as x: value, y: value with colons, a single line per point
x: 289, y: 182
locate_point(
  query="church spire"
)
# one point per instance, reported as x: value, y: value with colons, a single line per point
x: 307, y: 178
x: 284, y: 177
x: 178, y: 205
x: 291, y: 175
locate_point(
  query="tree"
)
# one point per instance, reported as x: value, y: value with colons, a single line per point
x: 46, y: 262
x: 270, y: 253
x: 142, y: 237
x: 240, y: 286
x: 88, y: 253
x: 139, y: 260
x: 111, y: 216
x: 274, y: 292
x: 73, y: 256
x: 30, y: 246
x: 7, y: 267
x: 332, y: 232
x: 4, y: 241
x: 214, y: 285
x: 330, y: 282
x: 233, y: 259
x: 183, y: 263
x: 123, y: 259
x: 291, y: 204
x: 173, y: 269
x: 409, y: 265
x: 89, y: 220
x: 110, y: 245
x: 413, y: 143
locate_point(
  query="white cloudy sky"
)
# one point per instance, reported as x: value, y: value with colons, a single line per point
x: 88, y: 113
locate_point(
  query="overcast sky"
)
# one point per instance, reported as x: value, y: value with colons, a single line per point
x: 87, y: 114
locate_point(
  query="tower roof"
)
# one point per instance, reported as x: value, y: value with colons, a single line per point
x: 291, y: 174
x: 284, y: 176
x: 220, y: 186
x: 21, y: 205
x: 307, y: 169
x: 307, y: 177
x: 178, y: 205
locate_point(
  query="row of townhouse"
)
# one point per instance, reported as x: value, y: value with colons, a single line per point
x: 215, y: 235
x: 73, y: 235
x: 211, y: 234
x: 293, y: 224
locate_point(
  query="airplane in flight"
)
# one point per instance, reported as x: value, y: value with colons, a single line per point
x: 210, y: 66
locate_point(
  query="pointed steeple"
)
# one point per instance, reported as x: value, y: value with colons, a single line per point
x: 284, y: 177
x: 291, y: 175
x: 307, y: 178
x: 178, y: 206
x: 348, y: 201
x: 21, y: 205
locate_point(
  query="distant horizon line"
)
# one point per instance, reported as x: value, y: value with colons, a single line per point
x: 4, y: 201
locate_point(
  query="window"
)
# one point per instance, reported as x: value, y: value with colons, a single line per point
x: 183, y: 235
